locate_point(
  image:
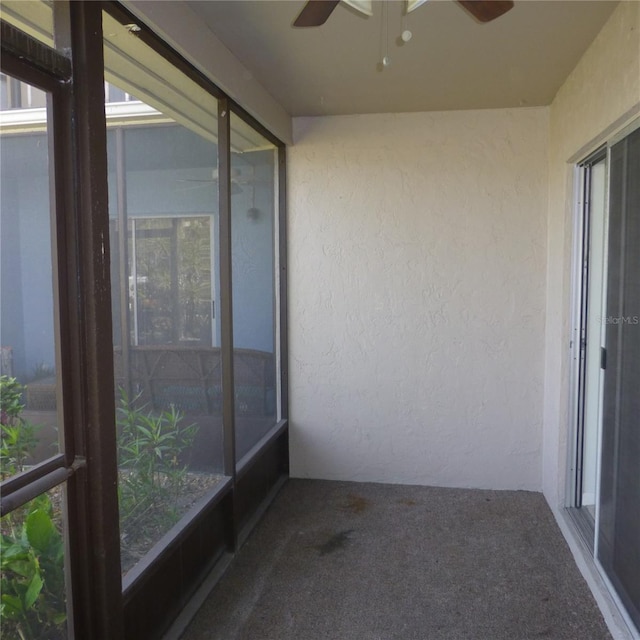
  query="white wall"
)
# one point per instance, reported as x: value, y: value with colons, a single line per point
x: 417, y: 292
x: 600, y: 96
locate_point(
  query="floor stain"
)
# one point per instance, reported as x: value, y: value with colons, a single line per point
x: 355, y: 504
x: 335, y: 543
x: 408, y: 502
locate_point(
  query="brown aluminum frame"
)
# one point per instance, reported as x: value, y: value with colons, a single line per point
x: 122, y: 15
x: 242, y: 501
x: 97, y: 603
x: 100, y: 560
x: 93, y: 606
x: 226, y: 289
x: 14, y: 46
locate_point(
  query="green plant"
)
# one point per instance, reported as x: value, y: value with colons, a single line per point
x: 10, y: 399
x: 42, y: 370
x: 32, y: 603
x: 150, y: 448
x: 17, y: 435
x: 31, y: 548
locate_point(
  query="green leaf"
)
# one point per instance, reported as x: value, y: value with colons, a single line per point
x: 33, y: 591
x: 41, y: 502
x: 12, y: 605
x: 147, y: 432
x: 59, y: 618
x: 25, y: 567
x: 40, y: 529
x: 13, y: 552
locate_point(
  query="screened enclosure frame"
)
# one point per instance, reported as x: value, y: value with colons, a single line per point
x: 148, y: 599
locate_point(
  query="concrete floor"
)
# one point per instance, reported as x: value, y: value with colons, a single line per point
x: 351, y: 561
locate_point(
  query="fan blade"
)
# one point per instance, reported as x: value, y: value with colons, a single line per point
x: 315, y: 13
x: 486, y: 10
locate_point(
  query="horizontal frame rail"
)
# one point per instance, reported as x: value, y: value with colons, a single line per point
x: 36, y: 484
x: 34, y: 53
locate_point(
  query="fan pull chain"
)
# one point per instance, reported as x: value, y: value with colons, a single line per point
x: 405, y: 33
x: 386, y: 60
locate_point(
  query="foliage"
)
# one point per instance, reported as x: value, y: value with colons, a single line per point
x: 150, y: 447
x: 17, y: 436
x: 32, y: 604
x: 32, y: 551
x: 10, y: 399
x: 173, y: 292
x: 194, y: 278
x: 41, y: 371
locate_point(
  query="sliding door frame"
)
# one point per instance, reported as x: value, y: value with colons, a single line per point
x: 581, y: 273
x: 589, y: 531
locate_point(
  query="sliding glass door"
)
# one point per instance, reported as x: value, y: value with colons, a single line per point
x: 606, y: 496
x: 619, y: 515
x: 591, y: 333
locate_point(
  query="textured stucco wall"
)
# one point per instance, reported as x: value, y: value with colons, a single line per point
x: 417, y: 293
x: 600, y: 95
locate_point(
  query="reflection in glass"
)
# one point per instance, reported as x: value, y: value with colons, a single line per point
x: 29, y: 419
x: 170, y: 281
x: 163, y: 209
x: 253, y: 162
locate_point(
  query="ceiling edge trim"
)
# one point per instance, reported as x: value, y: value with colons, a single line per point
x: 182, y: 29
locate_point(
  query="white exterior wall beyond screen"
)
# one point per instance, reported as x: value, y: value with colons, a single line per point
x: 417, y: 297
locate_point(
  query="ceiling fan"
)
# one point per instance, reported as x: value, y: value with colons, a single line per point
x: 236, y: 180
x: 317, y: 12
x: 239, y: 180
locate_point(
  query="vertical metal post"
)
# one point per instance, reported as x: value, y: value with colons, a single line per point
x: 226, y: 296
x: 66, y: 312
x: 123, y: 260
x: 283, y: 282
x: 175, y: 289
x: 96, y: 561
x: 226, y: 311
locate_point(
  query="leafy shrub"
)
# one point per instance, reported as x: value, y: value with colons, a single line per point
x: 17, y: 436
x: 150, y: 449
x: 32, y: 601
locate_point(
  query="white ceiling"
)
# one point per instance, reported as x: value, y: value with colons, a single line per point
x: 451, y: 62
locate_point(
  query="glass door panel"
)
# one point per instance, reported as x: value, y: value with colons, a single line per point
x: 619, y: 516
x: 32, y: 560
x: 163, y: 157
x: 253, y: 253
x: 28, y: 342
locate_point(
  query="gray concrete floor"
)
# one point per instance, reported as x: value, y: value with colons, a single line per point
x: 351, y: 561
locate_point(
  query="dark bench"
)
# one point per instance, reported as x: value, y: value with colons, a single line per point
x: 190, y: 379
